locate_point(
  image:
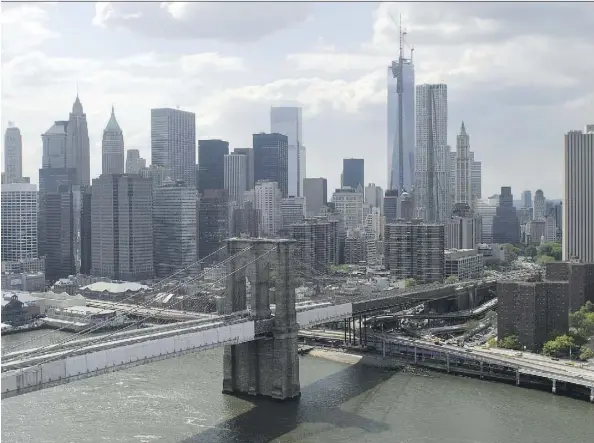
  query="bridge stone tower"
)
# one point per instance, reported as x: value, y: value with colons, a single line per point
x: 268, y: 366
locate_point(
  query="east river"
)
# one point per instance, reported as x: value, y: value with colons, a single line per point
x: 180, y: 400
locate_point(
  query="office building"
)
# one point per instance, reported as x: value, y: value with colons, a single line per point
x: 288, y: 121
x: 302, y: 168
x: 578, y: 199
x: 235, y: 172
x: 211, y: 164
x: 401, y: 123
x: 245, y: 221
x: 19, y: 221
x: 476, y: 178
x: 173, y: 143
x: 464, y: 264
x: 157, y: 175
x: 580, y: 277
x: 353, y: 172
x: 77, y: 144
x: 62, y: 231
x: 415, y: 250
x: 315, y: 191
x: 249, y: 177
x: 174, y: 229
x: 86, y: 258
x: 112, y: 147
x: 391, y: 205
x: 122, y: 228
x: 432, y: 156
x: 292, y: 211
x: 374, y: 197
x: 506, y: 225
x: 54, y: 146
x: 406, y: 207
x: 268, y: 199
x: 463, y: 168
x: 134, y: 162
x: 213, y: 224
x: 270, y: 159
x: 13, y: 155
x: 527, y: 199
x: 349, y: 202
x: 539, y: 205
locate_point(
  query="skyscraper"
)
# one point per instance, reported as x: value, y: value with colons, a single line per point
x: 77, y: 144
x: 315, y: 191
x: 578, y: 198
x: 539, y: 205
x: 401, y: 122
x: 134, y: 162
x: 463, y: 168
x: 526, y: 199
x: 173, y: 143
x: 476, y: 178
x: 235, y: 166
x: 13, y: 154
x: 506, y: 225
x: 54, y: 146
x: 122, y: 227
x: 432, y: 153
x: 19, y: 221
x: 213, y: 223
x: 353, y: 172
x: 270, y: 159
x: 211, y: 160
x: 287, y: 121
x: 249, y: 177
x: 112, y: 147
x: 174, y: 228
x: 268, y: 204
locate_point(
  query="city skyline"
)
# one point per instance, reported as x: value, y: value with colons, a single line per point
x: 338, y: 80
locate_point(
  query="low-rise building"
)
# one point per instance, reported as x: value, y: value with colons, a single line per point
x: 114, y: 290
x: 466, y: 264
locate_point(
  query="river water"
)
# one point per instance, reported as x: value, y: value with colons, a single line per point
x: 180, y: 400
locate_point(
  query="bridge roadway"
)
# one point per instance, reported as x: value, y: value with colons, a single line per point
x: 79, y: 359
x: 153, y: 312
x: 469, y: 313
x: 523, y: 362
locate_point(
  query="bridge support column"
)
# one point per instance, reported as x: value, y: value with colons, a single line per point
x: 268, y: 366
x: 554, y: 388
x: 517, y: 377
x: 592, y: 394
x: 448, y: 362
x: 482, y: 364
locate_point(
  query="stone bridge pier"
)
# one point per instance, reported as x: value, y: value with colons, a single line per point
x: 269, y: 366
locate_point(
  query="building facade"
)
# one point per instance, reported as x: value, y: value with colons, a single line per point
x: 211, y: 164
x: 353, y: 172
x: 271, y: 160
x: 173, y: 143
x: 122, y: 228
x: 315, y: 191
x: 174, y: 229
x: 235, y: 168
x: 506, y: 225
x: 13, y: 155
x: 268, y: 199
x: 349, y: 202
x: 78, y: 154
x: 112, y: 147
x: 19, y: 222
x: 134, y: 162
x: 288, y: 121
x: 578, y: 199
x: 463, y: 168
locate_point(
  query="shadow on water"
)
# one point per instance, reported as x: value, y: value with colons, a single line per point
x: 320, y: 402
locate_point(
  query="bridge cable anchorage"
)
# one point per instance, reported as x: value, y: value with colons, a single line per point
x: 135, y: 308
x: 160, y: 282
x: 231, y: 317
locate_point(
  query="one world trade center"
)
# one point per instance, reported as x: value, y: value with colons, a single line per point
x: 401, y: 122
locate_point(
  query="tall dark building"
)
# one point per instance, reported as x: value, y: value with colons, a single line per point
x: 271, y: 160
x: 85, y: 231
x: 315, y: 191
x: 245, y: 221
x: 353, y: 172
x: 211, y: 157
x: 213, y: 222
x: 49, y: 181
x: 391, y: 205
x: 506, y: 224
x: 249, y: 152
x: 62, y: 232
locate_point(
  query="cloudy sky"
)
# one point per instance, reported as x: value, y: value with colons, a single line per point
x: 519, y: 75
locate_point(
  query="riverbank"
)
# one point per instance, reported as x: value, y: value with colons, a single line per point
x: 352, y: 357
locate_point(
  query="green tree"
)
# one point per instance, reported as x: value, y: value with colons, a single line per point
x: 544, y: 259
x: 451, y: 279
x: 510, y: 342
x: 551, y: 250
x: 410, y: 282
x: 586, y: 353
x: 560, y: 346
x: 583, y: 321
x: 531, y: 251
x: 511, y: 252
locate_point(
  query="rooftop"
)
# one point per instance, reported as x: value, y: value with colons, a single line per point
x: 115, y: 288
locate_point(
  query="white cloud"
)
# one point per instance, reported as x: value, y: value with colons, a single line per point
x: 237, y: 22
x: 24, y: 27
